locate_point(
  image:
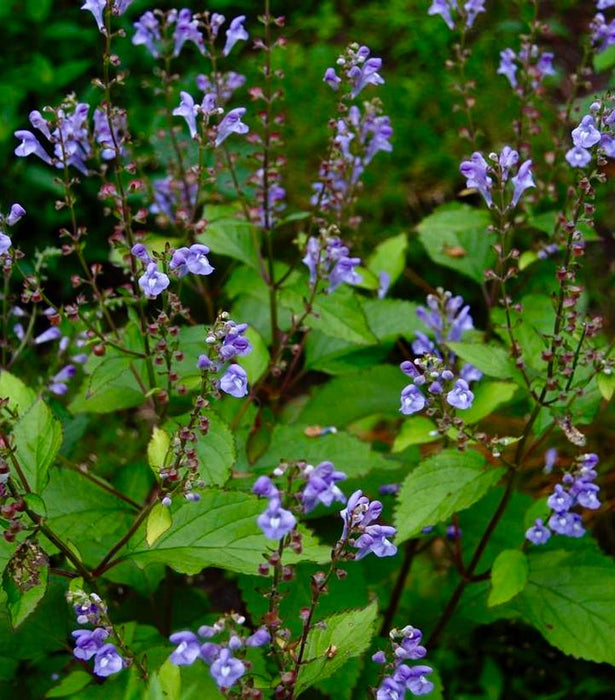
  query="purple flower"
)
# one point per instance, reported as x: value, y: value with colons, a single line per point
x: 234, y: 341
x: 96, y: 7
x: 5, y: 243
x: 603, y: 34
x: 412, y: 400
x: 188, y: 111
x: 226, y: 669
x: 586, y: 135
x: 30, y: 145
x: 153, y: 282
x: 88, y: 642
x: 410, y: 647
x: 344, y: 271
x: 508, y: 157
x: 332, y: 78
x: 475, y: 172
x: 276, y: 522
x: 203, y: 362
x: 140, y: 251
x: 568, y: 524
x: 16, y: 213
x: 107, y: 139
x: 193, y: 259
x: 263, y: 486
x: 460, y: 396
x: 188, y: 648
x: 538, y: 533
x: 235, y: 33
x: 312, y: 257
x: 560, y: 500
x: 473, y: 8
x: 550, y: 460
x: 231, y: 124
x: 365, y: 75
x: 215, y: 22
x: 470, y: 373
x: 414, y: 678
x: 107, y: 661
x: 522, y: 181
x: 507, y: 66
x: 578, y: 157
x: 359, y: 512
x: 235, y: 381
x: 374, y: 540
x: 187, y: 29
x: 52, y: 333
x: 58, y: 383
x: 586, y: 494
x: 148, y: 33
x: 379, y: 657
x: 321, y: 487
x: 443, y: 8
x: 259, y: 638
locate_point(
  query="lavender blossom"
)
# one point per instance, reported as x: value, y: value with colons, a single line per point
x: 96, y: 7
x: 153, y: 282
x: 259, y: 639
x: 15, y: 214
x: 263, y: 486
x: 193, y: 260
x: 231, y: 124
x: 276, y: 522
x: 148, y: 33
x: 602, y: 33
x: 321, y: 486
x: 187, y: 29
x: 460, y: 396
x: 188, y: 110
x: 50, y: 334
x: 5, y: 243
x: 226, y: 669
x: 522, y: 181
x: 235, y: 381
x: 367, y: 74
x: 507, y: 66
x: 374, y: 540
x: 332, y: 78
x: 475, y: 172
x: 444, y: 8
x: 30, y: 145
x: 578, y: 157
x: 58, y: 385
x: 234, y: 341
x: 140, y: 251
x: 188, y: 648
x: 235, y: 33
x: 538, y: 533
x: 107, y: 661
x: 359, y: 513
x: 586, y: 135
x: 88, y: 642
x: 412, y: 400
x: 110, y: 133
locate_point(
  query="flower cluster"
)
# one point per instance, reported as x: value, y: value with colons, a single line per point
x: 358, y: 70
x: 603, y: 32
x: 222, y: 85
x: 226, y: 341
x: 359, y: 136
x: 478, y: 174
x: 150, y: 31
x: 577, y: 488
x: 16, y: 212
x: 448, y: 319
x: 97, y: 8
x: 230, y: 124
x: 401, y: 677
x: 595, y: 129
x: 447, y: 8
x: 173, y: 199
x: 90, y: 609
x: 327, y: 259
x: 221, y: 656
x: 537, y: 65
x: 359, y: 531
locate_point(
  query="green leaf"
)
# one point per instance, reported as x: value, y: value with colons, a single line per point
x: 159, y: 521
x: 220, y: 530
x: 231, y: 237
x: 329, y: 647
x: 339, y: 315
x: 416, y: 430
x: 492, y: 360
x: 38, y: 438
x: 606, y: 385
x: 72, y: 683
x: 25, y: 580
x: 508, y: 576
x: 350, y: 455
x: 166, y: 684
x: 19, y: 395
x: 352, y: 396
x: 487, y: 397
x: 216, y: 451
x: 442, y: 485
x: 456, y: 236
x: 390, y: 319
x: 570, y: 599
x: 158, y: 448
x: 389, y: 256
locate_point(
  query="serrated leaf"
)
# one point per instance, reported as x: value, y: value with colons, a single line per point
x: 390, y: 257
x: 220, y: 530
x: 570, y: 599
x: 329, y: 647
x: 159, y: 521
x: 606, y: 385
x: 392, y: 318
x: 25, y: 581
x: 216, y: 452
x: 492, y: 360
x: 233, y: 238
x: 509, y: 575
x: 38, y: 438
x: 158, y: 448
x: 352, y: 396
x: 349, y: 454
x: 442, y: 485
x: 456, y: 236
x: 416, y: 430
x: 19, y: 395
